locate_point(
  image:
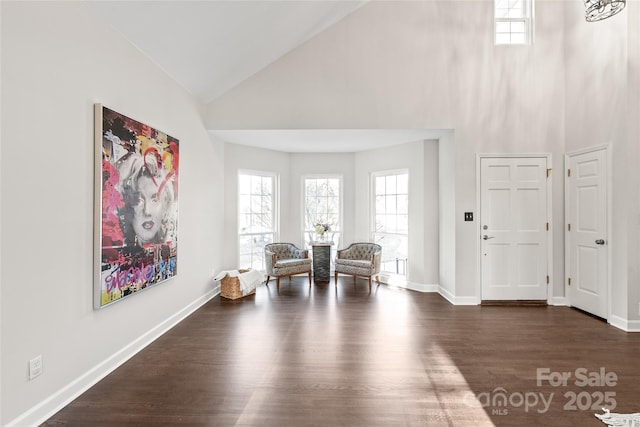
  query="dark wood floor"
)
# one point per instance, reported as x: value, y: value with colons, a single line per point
x: 349, y: 358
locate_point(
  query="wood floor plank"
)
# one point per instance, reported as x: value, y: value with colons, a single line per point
x: 346, y: 357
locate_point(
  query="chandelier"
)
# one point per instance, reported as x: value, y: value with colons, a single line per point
x: 601, y: 9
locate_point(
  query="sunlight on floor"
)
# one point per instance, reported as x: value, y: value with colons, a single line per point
x: 452, y: 390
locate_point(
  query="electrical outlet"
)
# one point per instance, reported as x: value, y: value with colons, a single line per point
x: 35, y: 367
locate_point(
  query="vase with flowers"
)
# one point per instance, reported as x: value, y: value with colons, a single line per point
x: 321, y: 229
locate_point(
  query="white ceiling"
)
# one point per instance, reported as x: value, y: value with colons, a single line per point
x: 210, y: 46
x: 325, y: 140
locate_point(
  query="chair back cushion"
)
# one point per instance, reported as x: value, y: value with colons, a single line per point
x: 361, y: 251
x: 282, y: 250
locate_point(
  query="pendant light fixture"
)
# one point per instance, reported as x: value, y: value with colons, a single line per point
x: 598, y: 10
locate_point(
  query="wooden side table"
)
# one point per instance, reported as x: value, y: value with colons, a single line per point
x: 321, y: 261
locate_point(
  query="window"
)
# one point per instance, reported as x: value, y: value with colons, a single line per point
x: 391, y: 219
x: 513, y: 21
x: 256, y: 217
x: 322, y: 204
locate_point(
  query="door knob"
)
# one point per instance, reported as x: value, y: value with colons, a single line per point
x: 599, y: 242
x: 485, y: 237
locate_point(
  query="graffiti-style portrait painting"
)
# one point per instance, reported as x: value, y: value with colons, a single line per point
x: 136, y: 206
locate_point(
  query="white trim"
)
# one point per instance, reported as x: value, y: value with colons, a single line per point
x: 549, y: 161
x: 446, y: 294
x: 567, y: 252
x: 52, y: 404
x: 558, y: 301
x: 402, y: 283
x: 624, y: 324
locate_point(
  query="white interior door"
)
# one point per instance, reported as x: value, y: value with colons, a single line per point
x: 514, y: 227
x: 587, y: 231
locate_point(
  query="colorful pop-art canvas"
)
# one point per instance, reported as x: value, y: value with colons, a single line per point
x: 136, y: 206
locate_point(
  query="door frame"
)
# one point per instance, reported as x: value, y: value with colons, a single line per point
x: 609, y: 210
x: 478, y: 228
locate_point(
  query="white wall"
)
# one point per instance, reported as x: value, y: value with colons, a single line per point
x: 57, y: 61
x: 633, y: 138
x: 427, y: 65
x: 446, y: 216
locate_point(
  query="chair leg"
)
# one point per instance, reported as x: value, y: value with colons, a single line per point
x: 378, y: 279
x: 278, y: 283
x: 309, y: 279
x: 369, y: 283
x: 268, y: 278
x: 336, y: 279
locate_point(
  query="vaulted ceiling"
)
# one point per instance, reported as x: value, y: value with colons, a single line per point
x: 211, y: 46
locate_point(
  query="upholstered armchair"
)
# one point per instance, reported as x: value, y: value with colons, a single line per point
x: 285, y: 260
x: 359, y: 260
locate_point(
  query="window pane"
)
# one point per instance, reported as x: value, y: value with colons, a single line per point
x: 403, y: 204
x: 334, y: 187
x: 517, y: 38
x: 390, y: 224
x: 244, y: 204
x: 503, y: 27
x: 334, y: 207
x: 380, y: 187
x: 403, y: 184
x: 515, y: 13
x: 502, y: 13
x: 244, y: 184
x: 503, y: 38
x: 265, y: 222
x: 517, y: 8
x: 391, y: 204
x: 256, y: 185
x: 244, y: 222
x: 391, y: 185
x: 380, y: 206
x: 517, y: 27
x: 310, y: 187
x: 267, y: 185
x: 403, y: 224
x: 256, y: 204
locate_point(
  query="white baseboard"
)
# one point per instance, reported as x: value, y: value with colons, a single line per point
x: 624, y: 324
x: 48, y: 407
x: 418, y: 287
x: 455, y: 300
x: 562, y: 301
x: 401, y: 282
x: 421, y: 287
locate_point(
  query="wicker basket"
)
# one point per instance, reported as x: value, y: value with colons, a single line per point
x: 230, y: 287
